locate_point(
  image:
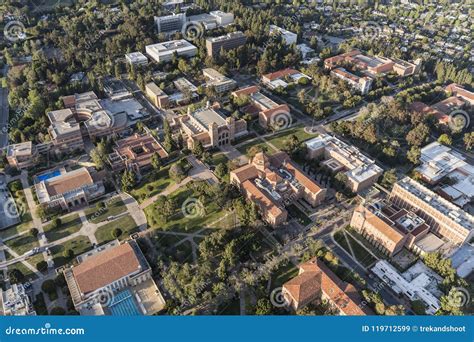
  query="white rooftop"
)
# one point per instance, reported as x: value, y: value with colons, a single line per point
x: 413, y: 284
x: 438, y: 160
x: 360, y: 166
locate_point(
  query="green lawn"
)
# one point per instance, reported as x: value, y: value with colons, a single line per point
x: 23, y: 243
x: 79, y: 245
x: 152, y: 184
x: 364, y: 257
x: 113, y: 208
x: 218, y: 159
x: 19, y: 228
x: 301, y: 217
x: 20, y: 200
x: 69, y: 225
x: 125, y: 223
x: 244, y: 149
x: 180, y: 223
x: 283, y: 274
x: 360, y: 253
x: 278, y: 140
x: 29, y: 275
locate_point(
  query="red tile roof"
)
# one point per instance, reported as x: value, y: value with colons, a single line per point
x: 246, y: 91
x: 343, y: 295
x: 106, y: 267
x: 279, y: 74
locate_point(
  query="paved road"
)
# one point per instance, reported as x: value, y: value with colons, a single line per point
x: 3, y: 117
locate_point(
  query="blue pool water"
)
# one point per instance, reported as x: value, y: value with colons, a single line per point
x: 48, y: 175
x: 124, y: 305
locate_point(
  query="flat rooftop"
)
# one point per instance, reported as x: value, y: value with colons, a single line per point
x: 171, y: 45
x: 263, y: 100
x: 437, y: 202
x: 206, y: 116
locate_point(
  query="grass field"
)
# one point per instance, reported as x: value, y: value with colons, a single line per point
x: 300, y: 216
x: 126, y: 224
x: 244, y: 149
x: 79, y: 245
x: 69, y: 225
x: 113, y: 208
x: 29, y: 275
x: 179, y: 222
x: 278, y: 140
x: 360, y: 253
x: 19, y: 228
x: 283, y: 274
x: 23, y: 243
x: 152, y: 184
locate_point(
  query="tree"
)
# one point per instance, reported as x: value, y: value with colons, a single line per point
x: 176, y: 172
x: 156, y: 161
x: 198, y: 149
x: 116, y: 233
x: 449, y: 303
x: 41, y: 212
x: 68, y: 254
x: 221, y: 170
x: 48, y: 286
x: 34, y: 232
x: 389, y: 178
x: 128, y: 180
x: 445, y: 139
x: 57, y: 222
x: 418, y: 135
x: 16, y: 276
x: 413, y: 155
x: 263, y: 307
x: 42, y: 266
x: 60, y: 281
x: 469, y: 140
x: 418, y: 307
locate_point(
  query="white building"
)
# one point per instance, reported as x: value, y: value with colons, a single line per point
x: 220, y: 82
x: 361, y: 171
x: 438, y: 162
x: 222, y: 18
x: 212, y: 20
x: 170, y: 23
x: 164, y: 52
x: 136, y: 58
x: 417, y: 283
x: 15, y: 302
x: 288, y: 37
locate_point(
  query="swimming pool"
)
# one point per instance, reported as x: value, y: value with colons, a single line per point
x: 48, y: 175
x: 124, y: 305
